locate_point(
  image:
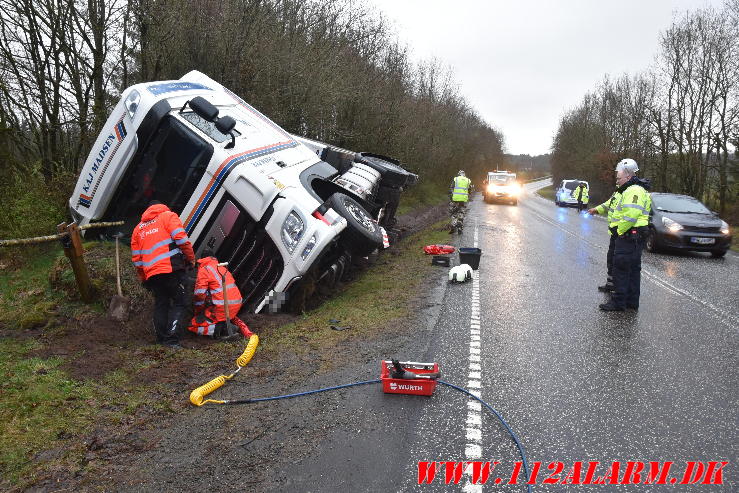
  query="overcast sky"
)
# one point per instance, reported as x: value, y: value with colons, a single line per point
x: 522, y: 63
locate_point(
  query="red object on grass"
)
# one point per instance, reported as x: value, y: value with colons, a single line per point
x: 438, y: 249
x: 243, y: 328
x: 413, y: 386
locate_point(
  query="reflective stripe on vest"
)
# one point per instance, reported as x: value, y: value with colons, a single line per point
x: 633, y: 208
x: 158, y: 257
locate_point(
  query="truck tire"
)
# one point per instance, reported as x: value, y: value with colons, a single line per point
x: 392, y: 174
x: 362, y: 234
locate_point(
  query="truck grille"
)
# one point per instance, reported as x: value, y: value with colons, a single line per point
x: 252, y: 256
x: 256, y: 265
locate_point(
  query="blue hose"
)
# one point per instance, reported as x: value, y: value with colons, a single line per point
x: 488, y: 406
x: 508, y: 428
x: 261, y: 399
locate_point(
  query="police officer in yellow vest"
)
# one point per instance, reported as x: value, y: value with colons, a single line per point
x: 609, y: 207
x: 580, y: 193
x: 459, y: 193
x: 632, y: 216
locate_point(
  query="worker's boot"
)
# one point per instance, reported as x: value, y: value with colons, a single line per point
x: 608, y: 287
x: 611, y: 307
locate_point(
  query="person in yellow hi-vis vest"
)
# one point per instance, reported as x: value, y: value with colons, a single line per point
x: 632, y: 212
x: 459, y: 195
x: 580, y: 193
x: 609, y: 208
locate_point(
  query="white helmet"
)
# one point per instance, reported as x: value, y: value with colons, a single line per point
x: 627, y: 165
x: 460, y: 172
x: 460, y: 273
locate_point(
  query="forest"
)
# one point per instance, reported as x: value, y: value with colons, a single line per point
x: 679, y: 119
x: 331, y: 70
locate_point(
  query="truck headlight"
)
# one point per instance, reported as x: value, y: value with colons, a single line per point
x: 132, y: 103
x: 292, y: 231
x: 724, y: 228
x: 673, y: 226
x: 309, y: 247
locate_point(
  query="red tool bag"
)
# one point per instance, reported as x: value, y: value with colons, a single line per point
x: 438, y: 249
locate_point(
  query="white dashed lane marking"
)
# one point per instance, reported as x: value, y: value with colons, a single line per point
x: 473, y: 447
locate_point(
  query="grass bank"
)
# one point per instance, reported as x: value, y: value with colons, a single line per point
x: 547, y: 192
x: 49, y: 416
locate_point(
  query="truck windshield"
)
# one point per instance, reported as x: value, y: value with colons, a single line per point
x: 167, y: 169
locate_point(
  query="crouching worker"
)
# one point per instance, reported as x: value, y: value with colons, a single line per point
x: 213, y: 281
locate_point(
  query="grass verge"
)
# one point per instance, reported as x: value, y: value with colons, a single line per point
x: 48, y: 418
x: 547, y: 192
x: 380, y: 295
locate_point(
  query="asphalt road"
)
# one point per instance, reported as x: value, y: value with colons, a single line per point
x: 527, y: 337
x: 574, y: 383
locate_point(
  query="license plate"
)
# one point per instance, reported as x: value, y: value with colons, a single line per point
x: 704, y: 241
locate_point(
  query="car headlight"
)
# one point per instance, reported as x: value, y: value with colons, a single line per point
x: 673, y: 226
x: 132, y: 103
x: 309, y: 247
x: 724, y: 228
x: 292, y: 231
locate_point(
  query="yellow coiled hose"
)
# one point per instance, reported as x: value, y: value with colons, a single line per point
x: 197, y: 396
x: 245, y: 357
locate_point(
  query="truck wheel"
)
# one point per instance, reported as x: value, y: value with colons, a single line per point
x: 392, y: 174
x: 362, y: 234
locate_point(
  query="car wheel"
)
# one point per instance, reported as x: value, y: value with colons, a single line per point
x: 362, y: 234
x: 718, y: 253
x: 652, y: 241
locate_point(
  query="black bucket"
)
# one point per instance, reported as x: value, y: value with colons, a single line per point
x: 470, y: 256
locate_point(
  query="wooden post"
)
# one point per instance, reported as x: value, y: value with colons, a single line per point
x: 72, y: 244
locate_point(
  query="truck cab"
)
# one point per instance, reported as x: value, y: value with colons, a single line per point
x: 271, y: 204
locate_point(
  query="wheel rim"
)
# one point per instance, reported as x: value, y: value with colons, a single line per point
x: 360, y: 215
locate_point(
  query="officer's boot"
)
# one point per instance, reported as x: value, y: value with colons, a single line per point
x: 608, y: 287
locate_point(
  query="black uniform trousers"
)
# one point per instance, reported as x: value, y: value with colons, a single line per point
x: 627, y: 268
x: 170, y: 302
x: 609, y: 255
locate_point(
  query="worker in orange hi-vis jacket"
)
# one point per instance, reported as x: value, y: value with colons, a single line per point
x: 161, y: 251
x: 214, y: 287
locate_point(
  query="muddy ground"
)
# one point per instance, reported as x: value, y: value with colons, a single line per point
x: 116, y: 456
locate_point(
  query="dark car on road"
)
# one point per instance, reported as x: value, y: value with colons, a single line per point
x: 682, y: 222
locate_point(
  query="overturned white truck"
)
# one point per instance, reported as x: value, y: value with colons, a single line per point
x: 275, y: 206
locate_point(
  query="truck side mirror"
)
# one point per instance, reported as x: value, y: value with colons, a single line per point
x: 225, y: 124
x: 204, y: 108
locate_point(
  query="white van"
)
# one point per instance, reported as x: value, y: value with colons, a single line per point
x: 274, y: 206
x: 563, y: 196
